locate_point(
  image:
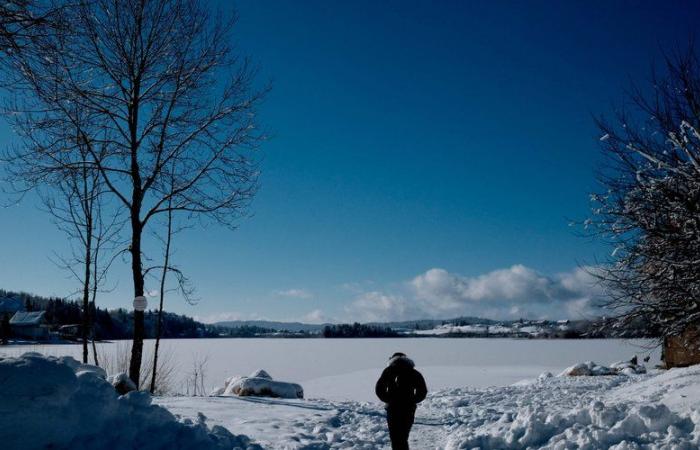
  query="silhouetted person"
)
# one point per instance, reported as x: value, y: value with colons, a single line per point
x: 401, y: 387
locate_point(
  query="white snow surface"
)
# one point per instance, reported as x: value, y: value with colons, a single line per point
x: 58, y: 403
x: 621, y: 412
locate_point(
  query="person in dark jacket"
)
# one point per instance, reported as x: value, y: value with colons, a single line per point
x: 401, y: 387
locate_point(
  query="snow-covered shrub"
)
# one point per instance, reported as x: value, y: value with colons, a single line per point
x: 58, y: 403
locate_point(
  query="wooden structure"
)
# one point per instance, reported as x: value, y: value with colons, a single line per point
x: 682, y: 350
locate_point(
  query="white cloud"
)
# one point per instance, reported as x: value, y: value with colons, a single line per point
x: 378, y: 307
x: 316, y: 316
x: 510, y: 293
x: 294, y: 293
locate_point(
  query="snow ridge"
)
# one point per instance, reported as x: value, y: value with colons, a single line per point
x: 58, y: 403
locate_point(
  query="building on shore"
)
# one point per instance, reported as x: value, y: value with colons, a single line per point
x: 29, y: 325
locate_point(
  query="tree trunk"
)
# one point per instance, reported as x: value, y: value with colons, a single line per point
x: 137, y: 273
x: 86, y: 291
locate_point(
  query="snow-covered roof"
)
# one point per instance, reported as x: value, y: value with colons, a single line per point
x: 10, y: 305
x: 27, y: 318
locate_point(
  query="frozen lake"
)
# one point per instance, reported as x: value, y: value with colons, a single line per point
x: 340, y: 369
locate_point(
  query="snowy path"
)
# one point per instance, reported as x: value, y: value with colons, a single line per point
x: 310, y: 424
x: 557, y: 413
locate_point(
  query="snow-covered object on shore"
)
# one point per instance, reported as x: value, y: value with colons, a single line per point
x: 259, y: 384
x: 122, y: 383
x: 628, y: 368
x: 58, y: 403
x: 262, y: 387
x: 592, y: 369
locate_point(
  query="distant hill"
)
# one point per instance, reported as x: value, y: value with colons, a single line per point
x: 293, y: 327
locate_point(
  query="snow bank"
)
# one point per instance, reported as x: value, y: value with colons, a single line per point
x: 591, y: 369
x: 620, y: 427
x: 259, y: 384
x: 48, y: 402
x: 678, y: 388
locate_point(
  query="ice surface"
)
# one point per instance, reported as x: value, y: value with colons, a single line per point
x: 346, y: 369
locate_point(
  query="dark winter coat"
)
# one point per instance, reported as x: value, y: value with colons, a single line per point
x: 401, y: 384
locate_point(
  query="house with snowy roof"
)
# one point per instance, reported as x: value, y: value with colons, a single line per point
x: 29, y: 325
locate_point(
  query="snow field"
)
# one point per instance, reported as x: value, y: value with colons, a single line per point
x: 560, y: 413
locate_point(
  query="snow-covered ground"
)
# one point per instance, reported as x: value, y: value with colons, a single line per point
x: 59, y: 403
x: 346, y: 369
x: 652, y: 411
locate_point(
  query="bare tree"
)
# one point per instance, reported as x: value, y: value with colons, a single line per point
x: 74, y: 194
x: 77, y: 204
x: 160, y: 81
x: 649, y: 209
x: 23, y: 20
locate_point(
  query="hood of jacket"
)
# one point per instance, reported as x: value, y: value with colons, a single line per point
x: 401, y: 361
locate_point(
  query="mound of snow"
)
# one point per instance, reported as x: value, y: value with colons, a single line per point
x: 259, y: 384
x: 48, y: 402
x: 677, y: 388
x: 122, y: 383
x: 592, y: 369
x: 621, y: 427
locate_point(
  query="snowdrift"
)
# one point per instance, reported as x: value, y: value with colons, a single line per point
x: 58, y: 403
x: 619, y: 427
x: 583, y: 412
x: 259, y: 384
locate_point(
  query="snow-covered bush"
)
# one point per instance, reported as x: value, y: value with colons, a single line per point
x: 259, y: 384
x: 58, y: 403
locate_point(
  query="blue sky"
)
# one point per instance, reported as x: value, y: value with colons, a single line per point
x: 425, y: 160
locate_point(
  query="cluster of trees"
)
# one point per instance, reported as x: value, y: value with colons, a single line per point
x: 136, y: 119
x: 357, y: 330
x: 118, y: 323
x: 649, y: 206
